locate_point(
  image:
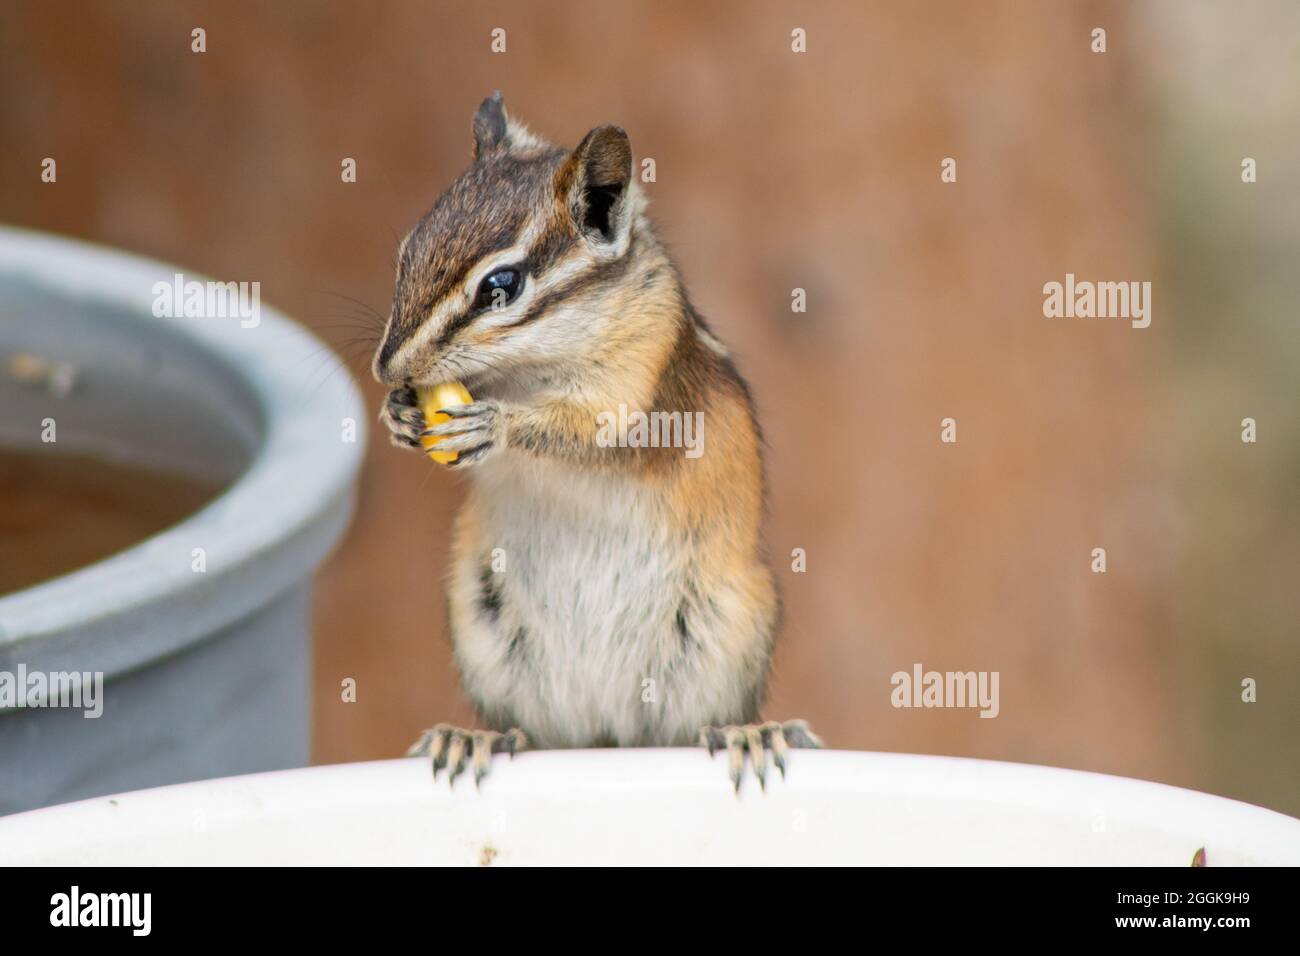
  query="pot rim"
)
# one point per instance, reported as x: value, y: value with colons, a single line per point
x: 265, y: 532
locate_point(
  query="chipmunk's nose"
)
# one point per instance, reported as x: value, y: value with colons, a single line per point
x: 385, y: 368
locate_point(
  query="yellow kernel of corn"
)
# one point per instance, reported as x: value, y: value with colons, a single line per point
x: 431, y: 399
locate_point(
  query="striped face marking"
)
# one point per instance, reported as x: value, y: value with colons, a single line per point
x: 525, y: 230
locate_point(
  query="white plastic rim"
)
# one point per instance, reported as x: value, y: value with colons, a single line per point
x: 659, y: 807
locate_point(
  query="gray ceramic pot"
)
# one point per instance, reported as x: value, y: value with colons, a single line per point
x: 205, y: 672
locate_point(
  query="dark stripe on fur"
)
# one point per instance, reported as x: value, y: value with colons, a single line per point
x: 605, y: 272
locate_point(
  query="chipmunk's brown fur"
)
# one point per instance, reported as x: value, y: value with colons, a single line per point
x: 600, y: 595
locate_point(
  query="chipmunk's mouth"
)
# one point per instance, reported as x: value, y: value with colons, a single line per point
x: 515, y: 382
x: 481, y: 383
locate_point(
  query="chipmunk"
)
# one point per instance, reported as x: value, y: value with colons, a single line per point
x: 635, y: 606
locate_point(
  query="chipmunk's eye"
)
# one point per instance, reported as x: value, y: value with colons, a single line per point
x: 499, y: 289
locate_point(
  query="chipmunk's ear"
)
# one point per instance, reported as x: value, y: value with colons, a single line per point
x: 490, y: 124
x: 594, y: 183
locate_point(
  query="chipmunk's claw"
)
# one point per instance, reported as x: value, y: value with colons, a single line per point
x: 754, y: 740
x: 451, y: 747
x: 472, y: 431
x: 401, y: 414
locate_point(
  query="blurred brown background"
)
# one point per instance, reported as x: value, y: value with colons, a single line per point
x: 819, y: 171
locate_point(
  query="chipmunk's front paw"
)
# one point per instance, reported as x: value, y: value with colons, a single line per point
x: 451, y: 747
x: 755, y: 740
x: 401, y: 413
x: 474, y: 432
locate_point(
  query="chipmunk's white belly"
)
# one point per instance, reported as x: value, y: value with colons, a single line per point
x: 591, y: 583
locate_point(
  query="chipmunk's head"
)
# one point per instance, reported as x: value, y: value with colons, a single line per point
x: 518, y: 264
